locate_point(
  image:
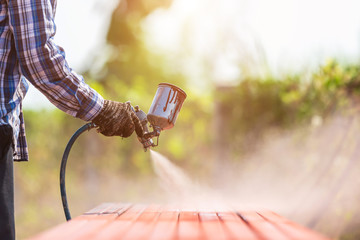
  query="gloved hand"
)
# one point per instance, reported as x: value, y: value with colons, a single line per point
x: 118, y: 119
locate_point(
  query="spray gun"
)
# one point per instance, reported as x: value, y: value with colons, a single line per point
x: 162, y: 115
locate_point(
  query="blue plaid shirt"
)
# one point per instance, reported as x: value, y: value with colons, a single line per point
x: 28, y: 52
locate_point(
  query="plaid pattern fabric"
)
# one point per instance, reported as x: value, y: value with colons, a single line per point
x: 28, y: 52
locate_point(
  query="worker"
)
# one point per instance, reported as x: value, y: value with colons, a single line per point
x: 28, y: 53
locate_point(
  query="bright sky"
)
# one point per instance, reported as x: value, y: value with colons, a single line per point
x: 262, y: 36
x: 283, y: 35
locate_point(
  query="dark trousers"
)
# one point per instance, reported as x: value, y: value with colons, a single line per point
x: 7, y: 223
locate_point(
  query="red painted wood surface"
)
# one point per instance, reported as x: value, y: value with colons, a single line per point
x: 127, y: 221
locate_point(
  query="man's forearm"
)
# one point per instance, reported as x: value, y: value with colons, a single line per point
x: 43, y: 63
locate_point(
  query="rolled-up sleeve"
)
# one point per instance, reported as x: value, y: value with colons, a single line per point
x: 43, y: 63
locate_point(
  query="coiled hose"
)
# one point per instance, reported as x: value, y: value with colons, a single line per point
x: 84, y: 128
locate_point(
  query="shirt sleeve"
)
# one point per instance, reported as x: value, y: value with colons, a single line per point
x: 43, y: 63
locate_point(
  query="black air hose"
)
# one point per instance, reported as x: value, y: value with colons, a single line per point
x: 84, y: 128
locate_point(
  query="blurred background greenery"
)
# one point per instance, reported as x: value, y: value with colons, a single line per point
x: 218, y: 127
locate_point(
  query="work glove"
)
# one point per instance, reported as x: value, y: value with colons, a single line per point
x: 118, y: 119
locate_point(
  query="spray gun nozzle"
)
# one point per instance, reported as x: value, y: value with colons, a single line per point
x: 147, y: 141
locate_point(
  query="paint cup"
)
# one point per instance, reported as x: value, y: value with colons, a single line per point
x: 166, y: 106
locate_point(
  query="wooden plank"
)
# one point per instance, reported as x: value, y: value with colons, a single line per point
x: 116, y: 208
x: 94, y: 217
x: 97, y: 219
x: 235, y: 227
x: 120, y: 225
x: 212, y: 226
x: 62, y: 231
x: 79, y: 226
x: 143, y: 226
x: 295, y: 231
x: 262, y: 228
x: 89, y: 229
x: 189, y: 226
x: 132, y: 213
x: 298, y: 232
x: 165, y: 227
x: 98, y: 209
x: 272, y: 217
x: 155, y: 222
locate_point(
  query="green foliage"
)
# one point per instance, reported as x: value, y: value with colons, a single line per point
x: 257, y: 105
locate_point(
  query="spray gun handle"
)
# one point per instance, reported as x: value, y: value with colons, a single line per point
x: 142, y: 117
x: 146, y: 140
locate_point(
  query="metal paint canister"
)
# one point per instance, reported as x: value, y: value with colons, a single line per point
x: 166, y: 106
